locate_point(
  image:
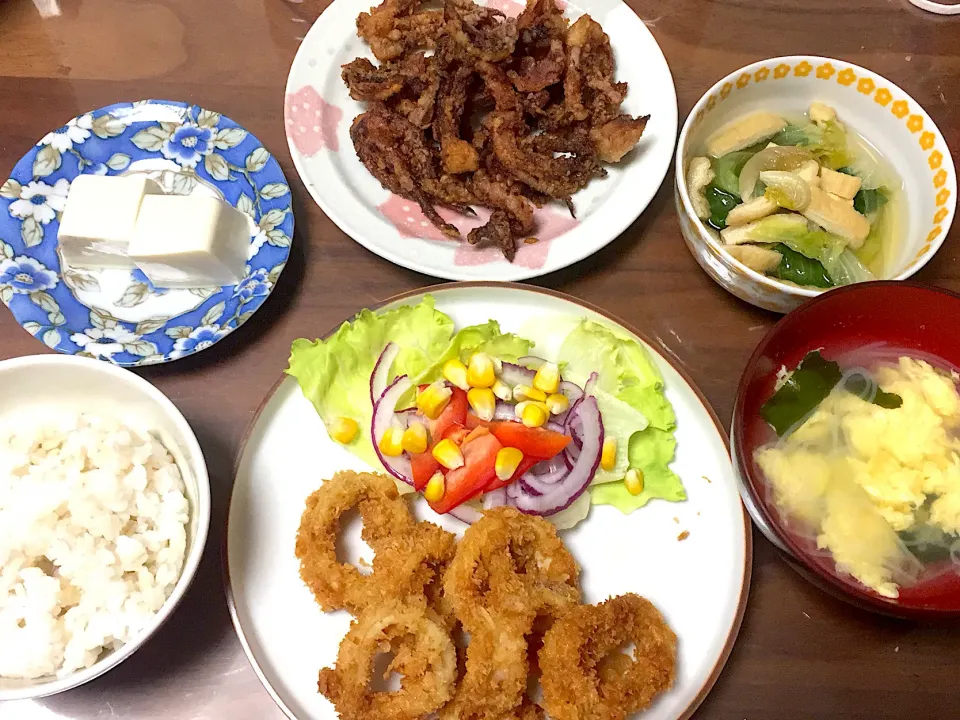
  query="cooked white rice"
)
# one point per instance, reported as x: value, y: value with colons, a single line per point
x: 92, y: 540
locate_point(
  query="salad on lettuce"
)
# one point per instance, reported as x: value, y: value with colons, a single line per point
x: 474, y: 419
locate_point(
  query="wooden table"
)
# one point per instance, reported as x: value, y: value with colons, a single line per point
x: 801, y: 654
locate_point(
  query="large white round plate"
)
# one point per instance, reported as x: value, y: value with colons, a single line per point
x: 700, y: 583
x: 319, y: 111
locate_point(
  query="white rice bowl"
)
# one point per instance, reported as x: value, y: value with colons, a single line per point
x: 93, y: 536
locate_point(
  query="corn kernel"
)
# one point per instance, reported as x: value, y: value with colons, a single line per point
x: 634, y: 481
x: 456, y: 372
x: 432, y: 401
x: 448, y: 454
x: 547, y: 378
x: 483, y: 402
x: 391, y: 444
x: 507, y: 462
x: 343, y: 430
x: 525, y: 392
x: 415, y: 438
x: 557, y: 404
x: 480, y: 371
x: 608, y: 456
x: 497, y: 366
x: 502, y: 390
x: 435, y: 489
x: 532, y: 414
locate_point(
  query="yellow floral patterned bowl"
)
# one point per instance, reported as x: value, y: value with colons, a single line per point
x: 872, y: 105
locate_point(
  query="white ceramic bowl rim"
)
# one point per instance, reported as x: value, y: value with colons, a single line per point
x: 773, y: 283
x: 191, y: 450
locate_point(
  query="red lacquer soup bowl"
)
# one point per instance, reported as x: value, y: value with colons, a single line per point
x: 911, y: 318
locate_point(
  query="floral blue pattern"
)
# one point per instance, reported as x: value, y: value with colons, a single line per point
x: 187, y: 144
x: 209, y: 149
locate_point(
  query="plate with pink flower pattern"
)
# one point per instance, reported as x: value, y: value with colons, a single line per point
x: 117, y: 314
x: 319, y: 112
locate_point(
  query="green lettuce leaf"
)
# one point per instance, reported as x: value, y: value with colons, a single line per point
x: 334, y: 374
x: 841, y: 264
x: 635, y: 410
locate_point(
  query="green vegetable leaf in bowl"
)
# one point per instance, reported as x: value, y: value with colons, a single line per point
x: 727, y: 171
x: 799, y: 269
x: 721, y: 203
x: 807, y: 386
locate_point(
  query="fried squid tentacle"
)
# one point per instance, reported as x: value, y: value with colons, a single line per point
x: 395, y: 152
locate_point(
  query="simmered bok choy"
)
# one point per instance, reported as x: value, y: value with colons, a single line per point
x: 798, y: 202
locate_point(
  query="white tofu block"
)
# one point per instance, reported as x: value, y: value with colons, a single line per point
x: 99, y: 218
x: 190, y: 242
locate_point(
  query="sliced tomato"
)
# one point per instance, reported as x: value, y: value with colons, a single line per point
x: 424, y: 465
x: 524, y: 466
x: 455, y: 413
x: 532, y: 442
x: 469, y: 481
x: 456, y: 432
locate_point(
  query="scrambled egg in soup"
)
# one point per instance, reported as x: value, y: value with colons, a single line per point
x: 860, y: 473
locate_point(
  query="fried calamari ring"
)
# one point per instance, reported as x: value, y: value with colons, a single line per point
x: 411, y: 566
x: 509, y: 569
x: 586, y: 676
x: 511, y: 565
x: 336, y: 585
x: 423, y: 653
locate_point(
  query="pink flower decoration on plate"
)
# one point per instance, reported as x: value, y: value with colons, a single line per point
x: 510, y: 8
x: 311, y: 121
x: 410, y: 222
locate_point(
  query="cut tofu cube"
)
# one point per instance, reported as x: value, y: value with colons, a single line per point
x: 747, y: 212
x: 99, y: 218
x: 744, y: 132
x: 699, y: 175
x: 822, y: 113
x: 838, y: 217
x: 190, y: 242
x: 756, y: 258
x: 810, y: 171
x: 846, y: 201
x: 838, y: 183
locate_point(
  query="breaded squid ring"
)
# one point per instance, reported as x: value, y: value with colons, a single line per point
x: 337, y: 585
x: 412, y: 565
x: 584, y: 674
x: 511, y: 565
x: 423, y: 653
x: 509, y: 569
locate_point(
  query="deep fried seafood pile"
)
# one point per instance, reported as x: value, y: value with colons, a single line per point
x: 506, y: 113
x: 510, y: 585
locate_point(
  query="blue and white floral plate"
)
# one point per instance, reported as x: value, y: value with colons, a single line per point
x: 117, y: 315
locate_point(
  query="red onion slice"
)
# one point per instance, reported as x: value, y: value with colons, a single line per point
x: 379, y: 379
x: 562, y: 493
x: 504, y: 411
x: 495, y: 498
x: 571, y: 391
x: 514, y: 375
x: 384, y: 416
x: 531, y: 361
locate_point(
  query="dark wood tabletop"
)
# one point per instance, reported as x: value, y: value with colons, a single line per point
x: 801, y: 654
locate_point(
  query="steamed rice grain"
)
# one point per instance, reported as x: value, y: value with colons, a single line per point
x: 92, y: 541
